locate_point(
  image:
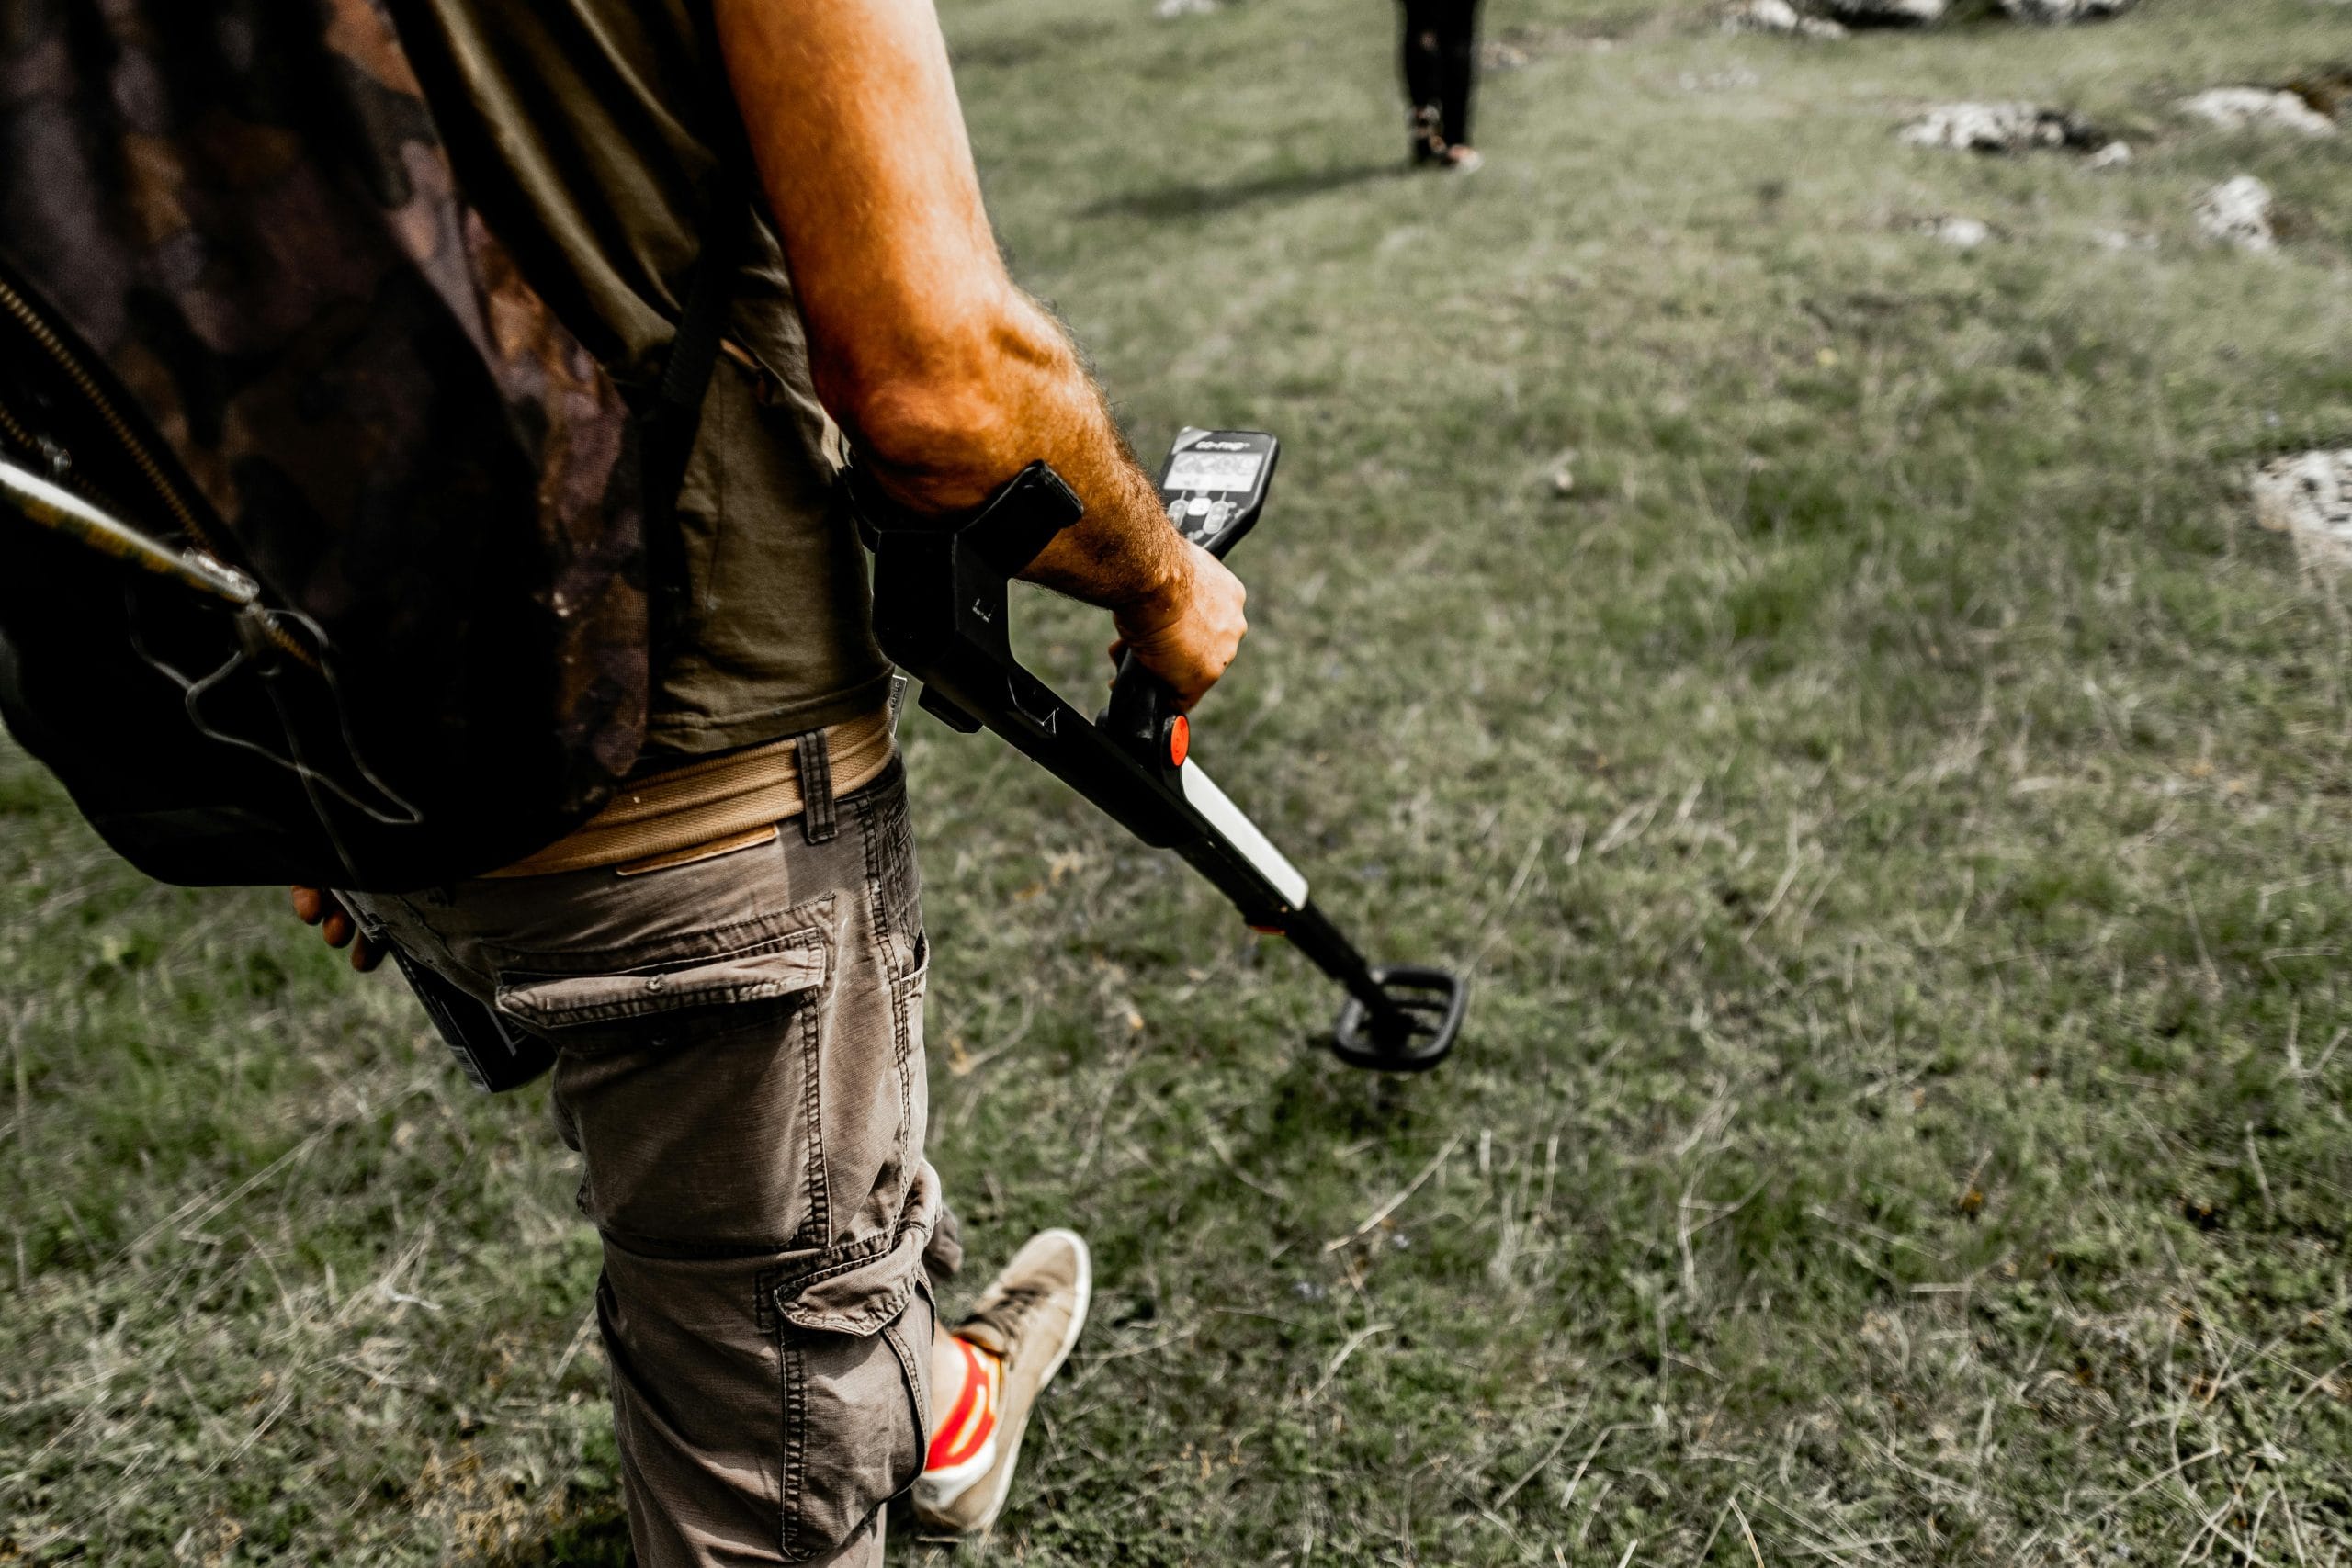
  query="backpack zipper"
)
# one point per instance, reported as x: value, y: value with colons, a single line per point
x: 144, y: 459
x: 17, y: 432
x: 29, y: 318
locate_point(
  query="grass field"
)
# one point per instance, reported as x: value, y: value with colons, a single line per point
x: 1897, y: 810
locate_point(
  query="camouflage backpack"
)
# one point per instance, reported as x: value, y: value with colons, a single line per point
x: 322, y: 544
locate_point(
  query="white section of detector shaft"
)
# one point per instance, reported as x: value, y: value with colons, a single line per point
x: 1204, y: 797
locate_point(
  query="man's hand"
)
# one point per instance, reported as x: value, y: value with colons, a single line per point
x: 317, y: 906
x: 1189, y: 633
x: 948, y: 379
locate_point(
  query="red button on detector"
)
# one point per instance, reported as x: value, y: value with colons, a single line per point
x: 1180, y: 740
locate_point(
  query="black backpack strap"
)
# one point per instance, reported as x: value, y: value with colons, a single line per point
x: 693, y: 353
x: 672, y: 423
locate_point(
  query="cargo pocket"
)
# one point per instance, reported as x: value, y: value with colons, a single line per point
x: 723, y: 967
x: 854, y: 1339
x: 689, y: 1075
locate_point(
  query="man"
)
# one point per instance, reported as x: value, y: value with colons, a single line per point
x: 730, y: 956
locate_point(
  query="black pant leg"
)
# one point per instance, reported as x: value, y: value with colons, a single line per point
x: 1457, y: 68
x: 1424, y: 40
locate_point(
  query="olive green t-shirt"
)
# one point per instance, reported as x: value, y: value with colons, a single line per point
x: 582, y: 131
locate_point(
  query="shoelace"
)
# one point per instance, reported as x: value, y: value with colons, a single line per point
x: 1009, y: 1310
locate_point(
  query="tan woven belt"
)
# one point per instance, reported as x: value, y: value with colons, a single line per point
x: 711, y: 808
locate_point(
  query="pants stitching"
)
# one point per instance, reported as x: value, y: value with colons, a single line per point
x: 819, y: 1228
x: 796, y: 1444
x: 914, y: 1397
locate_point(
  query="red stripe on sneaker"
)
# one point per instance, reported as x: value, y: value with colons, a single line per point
x: 973, y: 1421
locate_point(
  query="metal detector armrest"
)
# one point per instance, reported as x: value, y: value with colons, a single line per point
x: 942, y: 613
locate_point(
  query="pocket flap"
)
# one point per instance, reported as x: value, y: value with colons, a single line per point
x: 860, y: 1286
x: 759, y: 973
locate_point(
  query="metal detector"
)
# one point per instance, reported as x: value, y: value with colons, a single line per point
x: 940, y: 611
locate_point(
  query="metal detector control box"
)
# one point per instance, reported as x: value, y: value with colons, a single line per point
x: 940, y: 611
x: 1215, y: 483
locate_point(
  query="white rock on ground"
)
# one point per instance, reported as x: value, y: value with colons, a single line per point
x: 2109, y: 156
x: 2061, y: 12
x: 2238, y: 212
x: 1961, y: 233
x: 2257, y: 109
x: 1777, y: 16
x: 1173, y: 8
x: 1999, y: 127
x: 1887, y: 13
x: 2309, y: 496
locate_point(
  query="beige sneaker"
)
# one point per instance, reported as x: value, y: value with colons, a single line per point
x: 1030, y: 1316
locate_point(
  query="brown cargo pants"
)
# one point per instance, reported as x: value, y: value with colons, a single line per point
x: 741, y: 1067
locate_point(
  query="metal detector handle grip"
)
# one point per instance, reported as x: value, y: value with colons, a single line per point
x: 1142, y: 712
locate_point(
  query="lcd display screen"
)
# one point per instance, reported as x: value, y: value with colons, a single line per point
x: 1212, y: 470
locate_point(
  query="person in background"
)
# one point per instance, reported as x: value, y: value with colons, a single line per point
x: 1441, y: 53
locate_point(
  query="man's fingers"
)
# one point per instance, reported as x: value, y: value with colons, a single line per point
x: 317, y: 906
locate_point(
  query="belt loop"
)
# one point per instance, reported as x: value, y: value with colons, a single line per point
x: 814, y: 758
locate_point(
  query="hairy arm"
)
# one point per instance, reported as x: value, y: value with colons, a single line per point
x: 947, y: 377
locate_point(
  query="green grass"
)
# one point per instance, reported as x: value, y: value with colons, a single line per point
x: 1896, y: 809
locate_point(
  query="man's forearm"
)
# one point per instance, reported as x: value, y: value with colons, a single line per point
x: 948, y: 379
x: 937, y: 449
